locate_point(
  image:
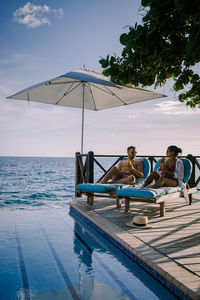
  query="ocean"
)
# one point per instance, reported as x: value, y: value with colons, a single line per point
x: 28, y: 182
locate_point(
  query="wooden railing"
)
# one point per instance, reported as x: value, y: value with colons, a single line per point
x: 84, y: 167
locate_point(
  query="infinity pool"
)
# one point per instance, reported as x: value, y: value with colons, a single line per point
x: 46, y: 254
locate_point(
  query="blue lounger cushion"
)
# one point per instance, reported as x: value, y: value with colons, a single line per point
x: 148, y: 193
x: 101, y: 188
x: 146, y: 167
x: 98, y: 188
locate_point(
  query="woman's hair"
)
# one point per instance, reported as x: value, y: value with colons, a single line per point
x: 175, y: 149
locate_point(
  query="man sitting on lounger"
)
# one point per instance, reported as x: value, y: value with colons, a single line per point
x: 127, y: 171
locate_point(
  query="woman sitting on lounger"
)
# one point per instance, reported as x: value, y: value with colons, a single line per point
x: 170, y: 172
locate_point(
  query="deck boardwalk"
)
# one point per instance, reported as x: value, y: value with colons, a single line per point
x: 171, y: 247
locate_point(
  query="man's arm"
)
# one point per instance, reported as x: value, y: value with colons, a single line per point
x: 120, y: 166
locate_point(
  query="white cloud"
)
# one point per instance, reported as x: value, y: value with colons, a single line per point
x: 167, y: 105
x: 32, y: 15
x: 132, y: 116
x: 175, y: 108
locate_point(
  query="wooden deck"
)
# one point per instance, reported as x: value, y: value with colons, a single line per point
x: 171, y: 247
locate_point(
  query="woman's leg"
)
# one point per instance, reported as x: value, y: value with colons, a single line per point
x: 153, y: 176
x: 163, y: 181
x: 157, y: 184
x: 170, y: 182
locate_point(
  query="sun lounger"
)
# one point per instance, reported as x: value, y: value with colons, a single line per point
x: 92, y: 190
x: 157, y: 196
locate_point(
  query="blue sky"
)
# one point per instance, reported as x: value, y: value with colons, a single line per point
x: 44, y: 39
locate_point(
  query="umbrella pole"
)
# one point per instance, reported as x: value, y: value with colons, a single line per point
x: 82, y: 118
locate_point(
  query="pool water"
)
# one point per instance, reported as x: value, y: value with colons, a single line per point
x: 46, y: 254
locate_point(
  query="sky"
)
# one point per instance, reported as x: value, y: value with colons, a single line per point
x: 41, y: 40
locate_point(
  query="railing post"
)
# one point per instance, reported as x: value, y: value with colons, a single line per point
x: 77, y: 174
x: 191, y: 182
x: 90, y: 167
x: 151, y: 159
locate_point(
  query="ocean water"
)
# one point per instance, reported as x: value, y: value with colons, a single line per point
x: 29, y: 182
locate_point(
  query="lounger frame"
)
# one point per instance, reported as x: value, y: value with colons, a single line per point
x: 158, y: 200
x: 90, y: 196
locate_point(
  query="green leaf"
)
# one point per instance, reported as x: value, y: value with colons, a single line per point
x: 124, y: 39
x: 195, y: 77
x: 182, y: 97
x: 179, y: 4
x: 146, y: 3
x: 106, y: 72
x: 178, y: 86
x: 104, y: 63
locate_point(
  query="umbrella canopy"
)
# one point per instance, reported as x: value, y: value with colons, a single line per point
x: 84, y: 89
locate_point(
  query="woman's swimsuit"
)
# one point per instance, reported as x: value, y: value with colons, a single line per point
x: 170, y: 176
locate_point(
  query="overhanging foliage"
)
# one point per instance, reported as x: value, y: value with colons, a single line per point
x: 166, y: 45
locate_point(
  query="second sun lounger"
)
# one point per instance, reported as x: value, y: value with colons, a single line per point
x: 157, y: 196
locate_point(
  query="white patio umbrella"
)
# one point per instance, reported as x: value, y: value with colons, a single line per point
x: 86, y: 90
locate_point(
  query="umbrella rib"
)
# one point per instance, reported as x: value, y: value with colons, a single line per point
x: 64, y: 82
x: 109, y: 92
x: 92, y: 95
x: 68, y: 91
x: 115, y: 95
